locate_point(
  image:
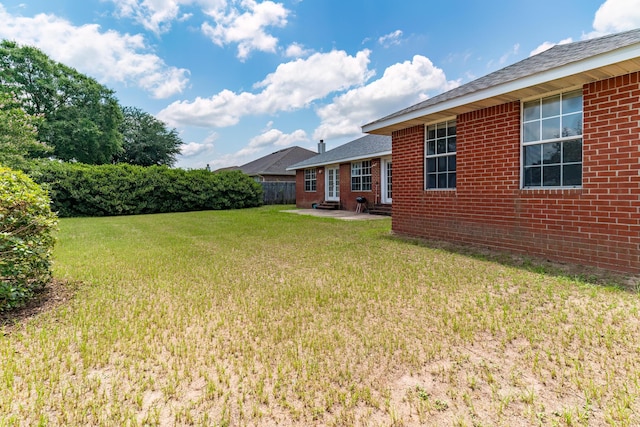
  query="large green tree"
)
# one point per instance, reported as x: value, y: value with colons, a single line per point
x: 146, y: 140
x: 18, y: 134
x: 81, y: 117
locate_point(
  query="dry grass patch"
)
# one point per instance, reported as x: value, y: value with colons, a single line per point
x: 259, y: 317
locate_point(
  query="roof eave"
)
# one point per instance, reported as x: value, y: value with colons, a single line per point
x: 579, y: 72
x: 343, y: 160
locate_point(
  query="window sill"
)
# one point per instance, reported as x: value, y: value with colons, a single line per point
x: 551, y: 190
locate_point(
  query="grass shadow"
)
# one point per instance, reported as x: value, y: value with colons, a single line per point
x: 588, y: 275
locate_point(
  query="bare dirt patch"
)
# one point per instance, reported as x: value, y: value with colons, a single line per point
x: 53, y: 295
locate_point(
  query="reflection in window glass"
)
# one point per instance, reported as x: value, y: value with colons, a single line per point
x: 440, y: 156
x: 552, y: 155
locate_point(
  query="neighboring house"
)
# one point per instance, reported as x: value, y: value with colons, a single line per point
x: 541, y: 157
x: 360, y: 168
x: 278, y: 183
x: 273, y: 167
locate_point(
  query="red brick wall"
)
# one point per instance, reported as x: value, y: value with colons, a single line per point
x: 348, y: 197
x: 304, y: 199
x: 597, y: 225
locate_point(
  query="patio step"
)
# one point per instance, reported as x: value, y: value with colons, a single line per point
x: 380, y: 209
x: 329, y: 205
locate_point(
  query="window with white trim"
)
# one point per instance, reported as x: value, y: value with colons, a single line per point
x: 440, y: 156
x: 309, y: 180
x: 361, y: 176
x: 552, y: 141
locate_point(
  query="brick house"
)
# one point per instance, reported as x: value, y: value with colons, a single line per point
x: 336, y: 178
x: 541, y: 157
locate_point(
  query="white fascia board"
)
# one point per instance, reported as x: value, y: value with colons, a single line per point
x: 602, y: 60
x: 343, y: 160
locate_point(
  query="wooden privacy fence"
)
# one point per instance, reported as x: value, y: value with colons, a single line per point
x: 279, y: 193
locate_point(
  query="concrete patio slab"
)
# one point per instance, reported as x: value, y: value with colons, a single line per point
x: 337, y: 214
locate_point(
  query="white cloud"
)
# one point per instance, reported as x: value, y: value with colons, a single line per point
x: 270, y: 140
x: 548, y: 45
x: 157, y: 15
x: 514, y: 51
x: 296, y: 50
x: 401, y: 85
x: 294, y: 85
x: 246, y: 26
x: 277, y: 138
x: 391, y: 39
x: 107, y: 56
x: 612, y: 16
x: 241, y: 22
x: 194, y: 148
x: 616, y: 15
x: 153, y: 15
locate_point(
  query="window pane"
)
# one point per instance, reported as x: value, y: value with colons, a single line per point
x: 572, y: 125
x: 533, y: 176
x: 572, y: 102
x: 442, y: 180
x: 431, y: 132
x: 551, y: 128
x: 572, y: 175
x: 452, y: 180
x: 531, y: 110
x: 431, y: 180
x: 431, y: 165
x: 551, y: 153
x: 551, y: 106
x: 532, y: 155
x: 442, y: 164
x: 452, y: 128
x: 451, y: 144
x: 551, y: 176
x: 452, y: 163
x: 572, y: 151
x: 442, y: 131
x: 431, y: 148
x: 441, y: 146
x: 531, y: 132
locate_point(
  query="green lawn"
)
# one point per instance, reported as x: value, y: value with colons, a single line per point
x: 258, y: 317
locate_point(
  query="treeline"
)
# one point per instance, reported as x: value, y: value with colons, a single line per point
x: 75, y: 118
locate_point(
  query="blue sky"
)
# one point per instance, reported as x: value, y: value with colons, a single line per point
x: 240, y: 79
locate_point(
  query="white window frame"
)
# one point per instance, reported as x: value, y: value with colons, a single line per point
x: 435, y: 154
x: 559, y: 140
x: 360, y: 171
x: 310, y: 180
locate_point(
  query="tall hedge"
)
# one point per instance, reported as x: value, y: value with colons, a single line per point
x: 86, y: 190
x: 27, y: 227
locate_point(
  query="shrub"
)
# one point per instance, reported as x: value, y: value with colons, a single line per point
x: 27, y: 227
x: 86, y: 190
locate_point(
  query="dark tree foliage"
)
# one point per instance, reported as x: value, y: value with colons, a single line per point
x: 80, y: 117
x: 18, y: 134
x: 146, y: 141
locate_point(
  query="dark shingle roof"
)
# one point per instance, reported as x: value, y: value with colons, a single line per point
x: 361, y: 148
x: 555, y: 57
x: 277, y: 163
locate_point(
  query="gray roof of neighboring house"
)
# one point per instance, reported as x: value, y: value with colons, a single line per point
x: 554, y: 64
x: 277, y: 163
x: 362, y: 148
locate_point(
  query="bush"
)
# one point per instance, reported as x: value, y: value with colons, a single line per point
x: 27, y: 227
x: 85, y: 190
